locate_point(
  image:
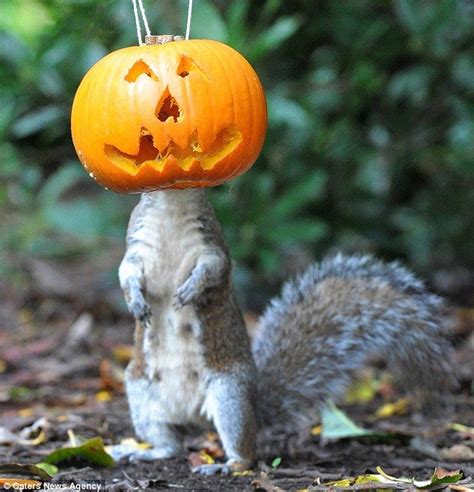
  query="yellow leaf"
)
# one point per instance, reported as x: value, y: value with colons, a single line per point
x: 316, y: 430
x: 465, y: 429
x: 73, y: 441
x: 206, y: 458
x: 399, y: 407
x: 346, y: 482
x: 130, y: 441
x: 26, y: 412
x: 3, y: 366
x: 122, y: 353
x: 368, y: 478
x: 244, y: 473
x: 39, y: 439
x: 103, y: 396
x: 363, y: 390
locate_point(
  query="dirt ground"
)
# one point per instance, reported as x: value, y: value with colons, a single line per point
x: 61, y: 375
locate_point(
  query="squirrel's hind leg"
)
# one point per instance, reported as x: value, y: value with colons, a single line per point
x: 230, y: 405
x: 165, y: 438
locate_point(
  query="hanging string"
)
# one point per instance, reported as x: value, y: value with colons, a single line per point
x: 138, y: 4
x: 137, y: 22
x: 145, y: 20
x: 190, y: 15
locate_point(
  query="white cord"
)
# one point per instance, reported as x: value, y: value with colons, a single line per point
x: 145, y: 21
x: 137, y: 22
x: 190, y: 14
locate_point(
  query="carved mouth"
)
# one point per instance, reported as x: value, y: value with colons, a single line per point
x: 227, y: 140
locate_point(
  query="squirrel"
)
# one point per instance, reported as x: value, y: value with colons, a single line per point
x: 193, y: 363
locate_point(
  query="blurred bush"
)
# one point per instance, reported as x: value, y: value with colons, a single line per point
x: 370, y: 145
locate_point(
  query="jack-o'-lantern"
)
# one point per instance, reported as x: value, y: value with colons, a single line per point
x: 180, y: 114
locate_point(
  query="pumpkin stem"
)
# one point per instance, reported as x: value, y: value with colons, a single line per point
x: 161, y: 39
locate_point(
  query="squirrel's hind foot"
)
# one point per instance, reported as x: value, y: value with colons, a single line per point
x: 222, y: 468
x: 134, y: 455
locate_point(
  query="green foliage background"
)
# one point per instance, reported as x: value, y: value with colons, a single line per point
x: 370, y: 144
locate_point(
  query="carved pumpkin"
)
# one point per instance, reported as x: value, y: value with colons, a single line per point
x: 174, y: 115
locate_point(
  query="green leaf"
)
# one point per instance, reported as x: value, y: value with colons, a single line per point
x: 208, y: 22
x: 298, y: 230
x: 337, y: 425
x: 439, y: 477
x: 271, y: 38
x: 65, y: 177
x: 301, y: 194
x: 92, y: 451
x: 49, y: 469
x: 276, y: 462
x: 409, y: 13
x: 37, y: 120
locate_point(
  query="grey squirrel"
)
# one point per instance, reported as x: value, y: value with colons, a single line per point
x: 193, y: 363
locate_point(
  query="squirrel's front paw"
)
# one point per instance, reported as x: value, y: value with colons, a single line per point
x: 137, y: 305
x: 187, y: 293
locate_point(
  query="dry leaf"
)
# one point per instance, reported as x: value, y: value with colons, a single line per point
x: 103, y: 396
x: 264, y: 483
x: 399, y: 407
x: 200, y: 458
x: 122, y: 353
x: 458, y: 452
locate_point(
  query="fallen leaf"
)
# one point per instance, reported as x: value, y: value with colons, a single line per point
x: 32, y: 435
x: 462, y: 488
x: 130, y: 441
x: 103, y: 396
x: 122, y: 353
x: 316, y: 430
x: 243, y: 473
x: 91, y: 450
x: 200, y: 458
x: 458, y: 452
x: 439, y: 477
x: 463, y: 429
x: 264, y: 483
x: 26, y: 412
x: 210, y: 444
x: 49, y: 469
x: 127, y: 447
x: 337, y: 425
x: 363, y: 390
x: 29, y: 470
x: 399, y: 407
x: 276, y: 462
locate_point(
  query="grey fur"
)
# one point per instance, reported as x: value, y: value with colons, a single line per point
x: 193, y: 361
x: 331, y: 320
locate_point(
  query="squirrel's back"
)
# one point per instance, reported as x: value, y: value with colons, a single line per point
x: 333, y: 319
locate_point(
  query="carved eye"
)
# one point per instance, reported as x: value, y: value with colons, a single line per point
x: 182, y: 114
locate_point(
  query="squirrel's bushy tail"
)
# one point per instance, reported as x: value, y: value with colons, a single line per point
x: 333, y: 319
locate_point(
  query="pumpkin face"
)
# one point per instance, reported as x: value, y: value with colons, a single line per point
x: 176, y: 115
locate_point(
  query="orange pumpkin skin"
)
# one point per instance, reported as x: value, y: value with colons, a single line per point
x: 176, y: 115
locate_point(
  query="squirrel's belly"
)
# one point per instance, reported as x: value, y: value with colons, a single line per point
x: 175, y: 371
